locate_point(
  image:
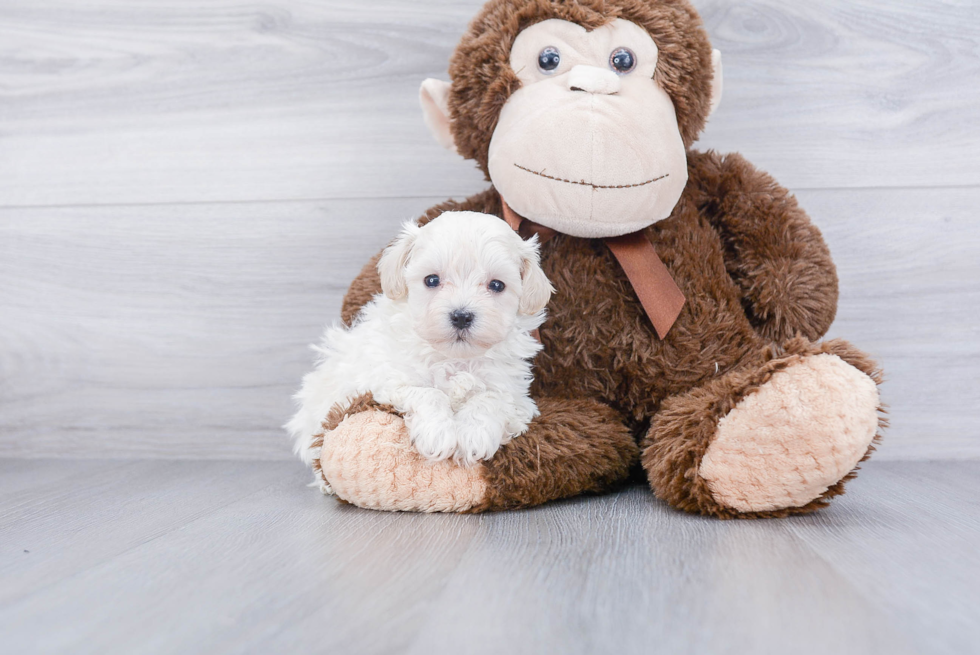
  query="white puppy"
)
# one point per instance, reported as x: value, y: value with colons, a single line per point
x: 448, y: 343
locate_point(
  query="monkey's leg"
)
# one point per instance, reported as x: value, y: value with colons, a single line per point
x: 777, y: 437
x: 575, y: 446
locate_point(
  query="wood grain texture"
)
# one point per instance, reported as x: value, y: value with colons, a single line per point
x: 938, y: 505
x: 890, y: 568
x: 136, y: 320
x: 168, y: 101
x: 80, y: 515
x: 181, y: 331
x: 171, y: 330
x: 909, y: 266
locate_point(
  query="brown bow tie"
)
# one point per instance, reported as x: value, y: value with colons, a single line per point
x: 662, y: 300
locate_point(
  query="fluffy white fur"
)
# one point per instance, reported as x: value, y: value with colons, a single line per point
x: 463, y: 392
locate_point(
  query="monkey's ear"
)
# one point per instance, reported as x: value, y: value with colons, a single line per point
x: 434, y: 96
x: 394, y: 259
x: 716, y: 81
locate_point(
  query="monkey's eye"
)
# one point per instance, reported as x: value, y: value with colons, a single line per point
x: 432, y: 281
x: 496, y: 286
x: 548, y: 59
x: 622, y: 60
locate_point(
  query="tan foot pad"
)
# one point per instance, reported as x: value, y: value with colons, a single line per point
x: 800, y: 433
x: 371, y: 463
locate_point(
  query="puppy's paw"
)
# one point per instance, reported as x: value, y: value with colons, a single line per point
x: 517, y: 422
x: 429, y: 419
x: 433, y: 435
x: 478, y: 436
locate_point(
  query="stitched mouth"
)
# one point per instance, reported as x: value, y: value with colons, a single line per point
x: 594, y: 186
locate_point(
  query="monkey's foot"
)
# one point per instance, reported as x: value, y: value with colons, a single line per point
x: 778, y: 439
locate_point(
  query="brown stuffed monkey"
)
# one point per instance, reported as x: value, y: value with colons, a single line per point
x: 582, y: 114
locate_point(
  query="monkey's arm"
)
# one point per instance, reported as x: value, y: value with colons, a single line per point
x: 772, y: 251
x: 368, y: 283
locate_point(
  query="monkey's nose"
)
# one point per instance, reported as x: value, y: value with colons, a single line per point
x: 593, y: 79
x: 461, y: 319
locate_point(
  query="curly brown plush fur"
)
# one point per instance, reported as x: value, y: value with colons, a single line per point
x: 722, y: 244
x: 760, y: 284
x: 551, y: 460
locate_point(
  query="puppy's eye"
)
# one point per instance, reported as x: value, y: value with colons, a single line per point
x: 622, y: 60
x: 548, y: 59
x: 432, y: 281
x: 496, y: 286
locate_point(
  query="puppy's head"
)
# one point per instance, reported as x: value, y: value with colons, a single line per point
x: 466, y: 278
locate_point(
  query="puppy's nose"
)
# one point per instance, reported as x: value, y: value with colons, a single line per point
x: 460, y: 318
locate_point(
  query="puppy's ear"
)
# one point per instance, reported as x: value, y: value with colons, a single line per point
x: 536, y: 289
x: 394, y: 259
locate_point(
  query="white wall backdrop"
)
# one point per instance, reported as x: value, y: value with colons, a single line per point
x: 187, y: 188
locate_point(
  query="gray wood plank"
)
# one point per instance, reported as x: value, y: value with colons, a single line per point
x: 18, y: 475
x: 182, y: 330
x: 849, y: 94
x: 887, y: 569
x: 244, y: 574
x: 909, y: 266
x: 174, y: 330
x: 627, y: 575
x: 180, y: 102
x: 72, y: 521
x: 909, y: 538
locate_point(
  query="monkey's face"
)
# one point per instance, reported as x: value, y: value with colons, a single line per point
x: 589, y: 145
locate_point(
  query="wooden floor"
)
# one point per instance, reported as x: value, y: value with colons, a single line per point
x: 240, y: 557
